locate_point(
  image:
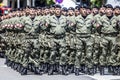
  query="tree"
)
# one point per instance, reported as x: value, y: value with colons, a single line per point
x: 97, y: 2
x: 49, y: 2
x: 1, y: 1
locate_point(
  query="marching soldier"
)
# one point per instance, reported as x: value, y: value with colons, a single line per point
x: 71, y: 28
x: 57, y: 26
x: 108, y: 43
x: 83, y: 34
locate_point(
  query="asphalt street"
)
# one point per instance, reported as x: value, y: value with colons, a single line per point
x: 7, y: 73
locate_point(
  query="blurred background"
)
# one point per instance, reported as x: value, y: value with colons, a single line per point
x: 64, y: 3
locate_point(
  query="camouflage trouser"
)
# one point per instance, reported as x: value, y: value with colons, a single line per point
x: 71, y: 49
x: 41, y: 39
x: 47, y: 46
x: 34, y: 58
x: 85, y: 49
x: 109, y: 49
x: 79, y: 52
x: 58, y: 51
x: 25, y: 62
x: 97, y: 50
x: 118, y: 50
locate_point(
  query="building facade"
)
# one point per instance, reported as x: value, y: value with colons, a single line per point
x: 32, y: 3
x: 35, y: 3
x: 22, y: 3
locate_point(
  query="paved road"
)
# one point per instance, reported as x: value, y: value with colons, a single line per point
x: 9, y: 74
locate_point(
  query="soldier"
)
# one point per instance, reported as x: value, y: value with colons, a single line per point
x: 89, y: 11
x: 77, y: 11
x: 96, y: 35
x: 117, y: 11
x: 85, y: 45
x: 108, y: 43
x: 35, y: 56
x: 45, y: 39
x: 25, y: 60
x: 52, y: 10
x: 64, y: 11
x: 57, y: 26
x: 2, y: 47
x: 71, y: 39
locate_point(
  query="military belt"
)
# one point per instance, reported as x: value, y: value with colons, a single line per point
x: 83, y: 35
x: 60, y: 36
x: 109, y: 34
x: 31, y: 37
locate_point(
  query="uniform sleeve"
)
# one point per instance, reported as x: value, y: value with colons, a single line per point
x: 114, y: 23
x: 27, y: 27
x: 89, y: 22
x: 104, y: 22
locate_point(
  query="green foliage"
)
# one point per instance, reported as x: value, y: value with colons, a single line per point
x: 96, y: 3
x: 1, y: 1
x: 49, y: 2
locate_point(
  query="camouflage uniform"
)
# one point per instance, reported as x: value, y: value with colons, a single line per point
x: 86, y: 41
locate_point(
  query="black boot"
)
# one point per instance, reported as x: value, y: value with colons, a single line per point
x: 37, y: 71
x: 21, y: 69
x: 29, y: 67
x: 64, y: 71
x: 95, y: 69
x: 32, y: 68
x: 83, y: 69
x: 119, y: 70
x: 6, y: 60
x: 77, y: 71
x: 10, y: 63
x: 41, y: 69
x: 42, y: 66
x: 115, y: 70
x: 101, y: 70
x: 51, y: 69
x: 15, y: 66
x: 57, y: 68
x: 46, y: 66
x: 18, y: 68
x: 24, y: 71
x: 71, y: 68
x: 90, y: 71
x: 12, y: 66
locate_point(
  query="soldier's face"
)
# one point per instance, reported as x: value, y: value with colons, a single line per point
x: 117, y: 11
x: 109, y: 12
x: 83, y: 12
x: 88, y: 11
x: 95, y: 11
x: 57, y: 11
x: 71, y: 12
x: 102, y: 10
x: 47, y: 11
x: 77, y: 12
x: 18, y: 14
x: 52, y: 10
x: 32, y: 16
x: 64, y: 13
